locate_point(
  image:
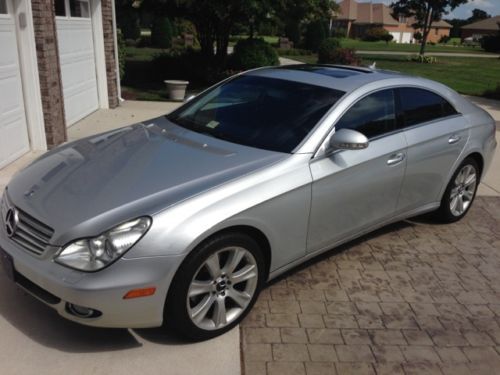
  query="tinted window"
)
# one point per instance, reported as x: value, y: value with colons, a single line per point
x: 267, y: 113
x: 79, y: 8
x: 373, y: 115
x: 418, y: 105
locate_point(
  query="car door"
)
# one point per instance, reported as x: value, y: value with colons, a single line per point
x: 354, y: 189
x: 436, y: 135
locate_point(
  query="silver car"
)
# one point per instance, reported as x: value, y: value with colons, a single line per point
x: 181, y: 220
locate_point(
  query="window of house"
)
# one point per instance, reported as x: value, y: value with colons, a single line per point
x: 436, y: 31
x: 60, y: 8
x: 80, y: 8
x: 372, y: 116
x: 419, y: 105
x: 3, y: 7
x: 72, y: 8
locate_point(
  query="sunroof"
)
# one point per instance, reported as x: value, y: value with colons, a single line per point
x: 331, y: 71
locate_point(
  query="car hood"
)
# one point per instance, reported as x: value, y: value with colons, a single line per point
x: 90, y: 185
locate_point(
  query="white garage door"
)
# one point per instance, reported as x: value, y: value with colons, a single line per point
x: 406, y: 38
x: 13, y: 128
x: 76, y: 56
x: 396, y: 36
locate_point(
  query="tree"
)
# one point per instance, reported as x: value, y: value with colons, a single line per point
x: 478, y: 15
x: 425, y: 13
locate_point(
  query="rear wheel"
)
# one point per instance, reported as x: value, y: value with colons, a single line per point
x: 460, y: 192
x: 215, y: 287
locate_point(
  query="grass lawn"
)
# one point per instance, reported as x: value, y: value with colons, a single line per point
x: 403, y: 47
x: 467, y: 75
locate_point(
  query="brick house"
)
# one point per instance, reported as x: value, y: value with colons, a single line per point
x: 356, y: 18
x: 58, y: 64
x: 476, y: 30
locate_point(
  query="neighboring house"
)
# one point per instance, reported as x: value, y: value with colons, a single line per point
x: 58, y: 64
x: 356, y: 18
x: 476, y: 30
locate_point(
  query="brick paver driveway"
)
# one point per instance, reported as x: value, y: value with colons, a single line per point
x: 414, y: 297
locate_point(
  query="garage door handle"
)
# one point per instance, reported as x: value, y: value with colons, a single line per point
x: 396, y: 158
x: 454, y: 139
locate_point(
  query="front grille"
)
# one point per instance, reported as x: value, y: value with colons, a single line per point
x: 31, y: 234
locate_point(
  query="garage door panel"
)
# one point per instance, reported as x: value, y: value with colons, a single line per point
x: 78, y: 71
x: 14, y: 140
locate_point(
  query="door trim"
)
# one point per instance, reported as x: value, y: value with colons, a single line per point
x: 30, y: 79
x: 99, y: 53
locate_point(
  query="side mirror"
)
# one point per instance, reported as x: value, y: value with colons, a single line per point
x: 348, y: 139
x: 190, y: 97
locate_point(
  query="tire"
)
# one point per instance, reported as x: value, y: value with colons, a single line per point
x: 459, y: 192
x: 218, y: 284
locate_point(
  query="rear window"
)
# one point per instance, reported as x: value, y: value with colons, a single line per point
x: 267, y: 113
x: 419, y: 105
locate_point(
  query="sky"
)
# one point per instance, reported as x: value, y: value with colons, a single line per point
x: 463, y: 11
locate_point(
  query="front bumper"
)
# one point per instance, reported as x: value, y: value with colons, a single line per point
x: 102, y: 290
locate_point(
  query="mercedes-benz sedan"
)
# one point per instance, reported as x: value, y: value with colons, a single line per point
x: 181, y: 220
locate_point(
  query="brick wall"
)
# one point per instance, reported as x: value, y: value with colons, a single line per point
x: 49, y: 71
x: 109, y: 49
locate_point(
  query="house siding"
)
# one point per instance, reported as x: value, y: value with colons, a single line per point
x: 49, y: 71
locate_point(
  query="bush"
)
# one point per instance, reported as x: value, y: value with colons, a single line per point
x: 418, y: 36
x: 338, y: 32
x: 423, y: 59
x: 292, y: 32
x: 493, y: 93
x: 122, y: 53
x: 129, y: 25
x: 444, y: 39
x: 491, y: 43
x: 161, y: 32
x: 252, y: 53
x: 375, y: 34
x: 327, y: 49
x: 316, y: 32
x: 292, y: 52
x: 387, y: 38
x: 342, y: 56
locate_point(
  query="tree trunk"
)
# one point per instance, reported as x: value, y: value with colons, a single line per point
x: 426, y: 30
x: 205, y: 33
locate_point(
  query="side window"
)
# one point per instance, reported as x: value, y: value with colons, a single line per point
x: 419, y: 105
x: 373, y: 115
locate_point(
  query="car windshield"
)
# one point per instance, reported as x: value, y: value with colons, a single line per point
x: 267, y: 113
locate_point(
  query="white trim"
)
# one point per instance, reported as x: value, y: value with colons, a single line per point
x: 29, y: 76
x: 99, y: 53
x: 115, y: 39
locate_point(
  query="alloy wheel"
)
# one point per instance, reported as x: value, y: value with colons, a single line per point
x: 222, y: 288
x: 462, y: 193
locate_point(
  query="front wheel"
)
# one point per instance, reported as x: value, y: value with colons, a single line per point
x: 215, y: 287
x: 460, y: 192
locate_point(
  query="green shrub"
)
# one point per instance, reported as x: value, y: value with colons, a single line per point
x: 493, y: 93
x: 342, y: 56
x: 122, y: 52
x: 444, y: 39
x: 252, y: 53
x: 327, y: 49
x: 491, y: 43
x: 316, y: 32
x: 422, y: 59
x: 129, y: 25
x: 292, y: 32
x: 292, y: 52
x: 375, y: 34
x: 161, y: 32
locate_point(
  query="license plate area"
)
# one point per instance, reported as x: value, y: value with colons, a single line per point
x: 7, y: 264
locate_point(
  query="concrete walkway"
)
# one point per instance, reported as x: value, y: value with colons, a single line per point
x: 447, y: 54
x: 35, y: 340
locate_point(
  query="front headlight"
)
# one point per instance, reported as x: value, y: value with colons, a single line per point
x: 93, y: 254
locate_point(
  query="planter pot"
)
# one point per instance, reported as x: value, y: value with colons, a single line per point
x: 176, y: 90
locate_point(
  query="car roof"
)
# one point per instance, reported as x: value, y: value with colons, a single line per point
x: 339, y: 77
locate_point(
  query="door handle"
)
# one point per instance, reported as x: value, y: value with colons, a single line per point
x: 396, y: 158
x: 454, y: 139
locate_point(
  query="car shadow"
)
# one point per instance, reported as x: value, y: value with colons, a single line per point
x: 344, y: 247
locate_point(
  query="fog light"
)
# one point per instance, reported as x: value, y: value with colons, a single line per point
x: 81, y: 311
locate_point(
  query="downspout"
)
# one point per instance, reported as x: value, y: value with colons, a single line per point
x: 115, y: 40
